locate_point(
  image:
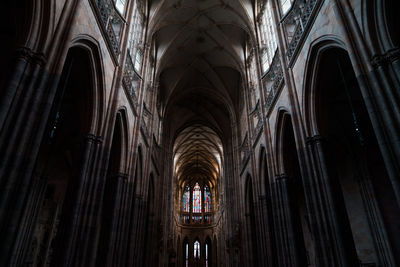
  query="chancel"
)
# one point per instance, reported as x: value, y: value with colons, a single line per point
x: 199, y: 133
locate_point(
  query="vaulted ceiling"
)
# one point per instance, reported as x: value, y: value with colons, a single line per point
x: 198, y: 154
x: 200, y: 44
x: 200, y: 67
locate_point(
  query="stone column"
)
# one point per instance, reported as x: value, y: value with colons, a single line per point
x: 28, y: 222
x: 114, y: 230
x: 331, y: 247
x: 21, y: 131
x: 122, y: 243
x: 381, y: 94
x: 70, y: 236
x: 283, y: 223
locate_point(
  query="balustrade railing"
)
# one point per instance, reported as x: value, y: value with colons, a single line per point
x: 131, y: 81
x: 273, y: 80
x: 298, y: 20
x: 112, y: 23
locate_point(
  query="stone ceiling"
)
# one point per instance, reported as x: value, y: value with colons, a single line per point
x: 199, y: 57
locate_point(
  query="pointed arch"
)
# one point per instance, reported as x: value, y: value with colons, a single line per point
x: 92, y: 48
x: 317, y: 48
x: 282, y: 119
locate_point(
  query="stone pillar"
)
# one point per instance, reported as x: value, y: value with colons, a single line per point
x: 115, y: 227
x: 71, y: 231
x: 329, y: 234
x: 283, y: 223
x: 379, y: 90
x: 28, y: 222
x: 21, y: 130
x: 332, y: 248
x: 135, y: 231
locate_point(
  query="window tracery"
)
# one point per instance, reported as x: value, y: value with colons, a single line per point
x: 196, y: 249
x: 267, y: 36
x: 135, y: 45
x: 197, y: 198
x: 196, y: 204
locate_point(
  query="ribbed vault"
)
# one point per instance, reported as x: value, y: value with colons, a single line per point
x: 197, y: 154
x: 200, y: 44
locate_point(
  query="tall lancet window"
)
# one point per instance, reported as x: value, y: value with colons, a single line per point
x: 207, y: 199
x: 135, y: 45
x: 206, y: 255
x: 267, y: 36
x: 196, y: 249
x: 197, y: 198
x: 187, y: 254
x: 186, y: 199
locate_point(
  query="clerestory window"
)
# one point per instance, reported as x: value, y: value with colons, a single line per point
x: 196, y: 205
x: 267, y: 37
x: 135, y: 45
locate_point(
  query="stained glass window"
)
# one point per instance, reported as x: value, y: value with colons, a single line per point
x: 197, y: 198
x: 197, y: 249
x: 207, y: 199
x: 186, y: 219
x: 207, y: 218
x: 196, y: 218
x: 136, y: 38
x: 186, y: 200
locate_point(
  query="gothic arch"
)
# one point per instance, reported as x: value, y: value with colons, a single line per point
x: 26, y: 28
x: 112, y: 193
x: 124, y: 124
x: 92, y: 48
x: 263, y: 170
x: 138, y: 182
x: 290, y: 173
x: 349, y: 147
x: 312, y: 65
x: 380, y: 21
x: 282, y: 119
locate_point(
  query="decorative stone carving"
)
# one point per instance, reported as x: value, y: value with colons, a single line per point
x: 111, y: 21
x: 273, y: 80
x: 299, y: 16
x: 131, y: 81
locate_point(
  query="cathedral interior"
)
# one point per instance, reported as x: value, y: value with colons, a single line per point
x: 187, y: 133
